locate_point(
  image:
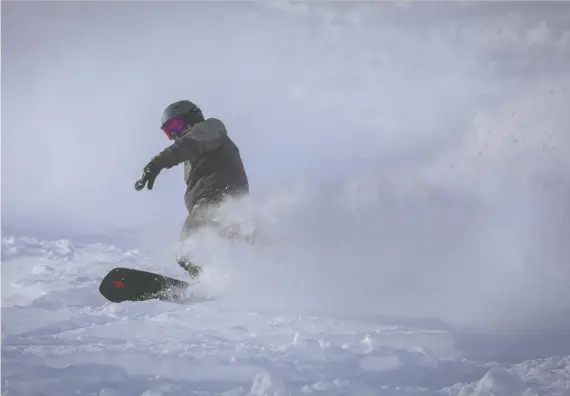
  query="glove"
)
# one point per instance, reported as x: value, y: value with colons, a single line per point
x: 149, y: 174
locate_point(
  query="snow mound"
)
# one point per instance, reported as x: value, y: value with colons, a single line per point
x: 13, y: 247
x: 531, y: 378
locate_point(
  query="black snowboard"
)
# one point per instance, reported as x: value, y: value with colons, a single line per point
x: 128, y: 284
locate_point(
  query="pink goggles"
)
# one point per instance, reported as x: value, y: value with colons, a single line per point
x: 173, y: 128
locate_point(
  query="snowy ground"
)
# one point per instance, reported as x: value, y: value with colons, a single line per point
x: 410, y: 163
x: 59, y: 337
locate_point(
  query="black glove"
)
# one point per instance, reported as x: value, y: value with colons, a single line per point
x: 149, y: 174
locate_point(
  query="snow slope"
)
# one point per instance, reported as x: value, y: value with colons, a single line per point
x: 59, y: 337
x: 410, y: 163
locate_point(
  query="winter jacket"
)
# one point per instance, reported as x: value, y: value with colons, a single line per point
x: 213, y: 166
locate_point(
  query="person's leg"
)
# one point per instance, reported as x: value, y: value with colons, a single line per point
x: 190, y: 225
x: 198, y: 217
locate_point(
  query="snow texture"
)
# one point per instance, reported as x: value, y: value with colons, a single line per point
x: 409, y: 165
x: 59, y: 337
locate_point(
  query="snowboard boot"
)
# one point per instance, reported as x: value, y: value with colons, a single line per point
x: 193, y: 269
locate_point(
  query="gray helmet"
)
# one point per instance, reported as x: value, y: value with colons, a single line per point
x: 189, y: 111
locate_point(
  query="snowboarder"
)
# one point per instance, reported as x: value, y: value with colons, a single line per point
x: 213, y: 168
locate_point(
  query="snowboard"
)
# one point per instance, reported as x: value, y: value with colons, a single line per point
x: 129, y: 284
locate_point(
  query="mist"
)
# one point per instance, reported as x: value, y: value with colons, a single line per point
x: 404, y: 159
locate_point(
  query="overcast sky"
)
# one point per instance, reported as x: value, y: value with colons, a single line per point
x: 458, y: 112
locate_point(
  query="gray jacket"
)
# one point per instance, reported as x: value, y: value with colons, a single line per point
x: 212, y: 163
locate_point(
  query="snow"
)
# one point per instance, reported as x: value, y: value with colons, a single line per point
x: 59, y: 337
x: 409, y: 165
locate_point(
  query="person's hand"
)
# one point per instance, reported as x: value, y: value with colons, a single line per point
x: 149, y: 174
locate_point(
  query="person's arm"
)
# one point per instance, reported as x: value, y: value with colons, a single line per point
x: 201, y: 139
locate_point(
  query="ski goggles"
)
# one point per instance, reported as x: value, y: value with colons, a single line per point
x: 173, y: 128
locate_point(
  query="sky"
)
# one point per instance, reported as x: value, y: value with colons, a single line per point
x: 422, y: 148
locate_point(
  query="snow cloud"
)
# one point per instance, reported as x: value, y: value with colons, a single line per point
x: 405, y: 159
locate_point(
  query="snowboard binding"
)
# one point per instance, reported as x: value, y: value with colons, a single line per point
x: 193, y: 269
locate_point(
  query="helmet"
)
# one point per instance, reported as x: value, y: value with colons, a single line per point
x: 189, y: 111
